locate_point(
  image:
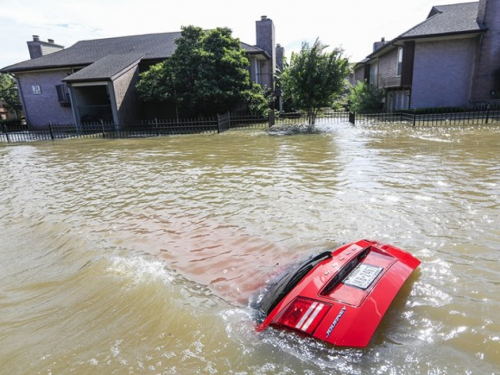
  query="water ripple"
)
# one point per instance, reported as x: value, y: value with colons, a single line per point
x: 141, y: 255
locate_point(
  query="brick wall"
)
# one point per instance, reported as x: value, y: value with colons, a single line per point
x: 359, y: 74
x: 442, y: 73
x: 487, y: 73
x: 42, y: 107
x: 126, y: 96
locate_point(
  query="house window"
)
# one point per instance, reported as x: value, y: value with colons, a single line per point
x: 257, y: 72
x: 62, y: 95
x: 373, y: 74
x: 37, y: 90
x: 400, y: 62
x: 398, y: 100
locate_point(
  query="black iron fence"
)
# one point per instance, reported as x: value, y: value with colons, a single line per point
x: 16, y: 132
x: 436, y: 116
x: 480, y: 115
x: 157, y: 127
x: 147, y: 128
x: 295, y: 118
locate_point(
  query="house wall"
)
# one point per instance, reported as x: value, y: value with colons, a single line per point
x: 359, y: 74
x: 126, y: 96
x: 43, y: 108
x: 487, y: 76
x: 267, y: 73
x: 260, y: 71
x: 442, y: 73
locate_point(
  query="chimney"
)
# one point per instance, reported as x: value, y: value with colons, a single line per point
x: 280, y: 55
x: 266, y: 40
x: 378, y: 45
x: 39, y: 48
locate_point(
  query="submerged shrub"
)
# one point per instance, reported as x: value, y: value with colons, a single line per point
x: 365, y: 97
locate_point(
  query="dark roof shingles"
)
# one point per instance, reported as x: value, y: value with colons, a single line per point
x: 151, y: 46
x: 106, y: 68
x: 447, y: 19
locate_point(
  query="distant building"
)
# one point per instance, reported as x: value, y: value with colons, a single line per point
x: 95, y: 79
x: 450, y: 59
x: 3, y: 112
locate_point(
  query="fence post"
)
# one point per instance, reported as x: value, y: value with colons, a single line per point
x: 4, y: 129
x: 218, y: 124
x: 156, y: 127
x: 228, y: 120
x: 102, y: 128
x: 352, y: 118
x: 272, y: 119
x: 487, y: 113
x: 414, y: 117
x: 50, y: 131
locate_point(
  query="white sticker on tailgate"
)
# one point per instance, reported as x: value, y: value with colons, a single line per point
x: 362, y: 276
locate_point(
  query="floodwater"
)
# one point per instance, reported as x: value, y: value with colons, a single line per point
x: 139, y: 256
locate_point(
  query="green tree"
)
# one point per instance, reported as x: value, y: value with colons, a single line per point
x: 365, y: 97
x: 259, y: 100
x: 8, y: 92
x: 314, y: 78
x: 208, y: 74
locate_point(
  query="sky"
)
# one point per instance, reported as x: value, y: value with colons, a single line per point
x: 353, y: 25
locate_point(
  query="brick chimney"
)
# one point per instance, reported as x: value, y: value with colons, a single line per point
x: 280, y: 56
x: 378, y: 45
x: 39, y: 48
x: 486, y: 84
x: 266, y: 40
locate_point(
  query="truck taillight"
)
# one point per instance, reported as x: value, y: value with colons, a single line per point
x: 304, y: 314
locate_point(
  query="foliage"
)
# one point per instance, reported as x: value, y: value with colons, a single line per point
x: 341, y: 102
x: 14, y: 122
x: 258, y: 100
x: 8, y: 92
x: 208, y: 74
x: 365, y: 97
x: 151, y: 86
x: 314, y: 78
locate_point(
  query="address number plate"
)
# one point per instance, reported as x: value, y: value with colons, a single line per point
x: 362, y: 276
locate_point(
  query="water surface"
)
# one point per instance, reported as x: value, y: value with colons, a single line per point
x: 140, y: 255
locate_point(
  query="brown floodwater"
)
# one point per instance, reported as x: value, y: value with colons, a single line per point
x: 140, y: 256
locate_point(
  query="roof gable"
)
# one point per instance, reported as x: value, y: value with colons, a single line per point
x: 442, y: 21
x: 447, y: 19
x: 107, y: 68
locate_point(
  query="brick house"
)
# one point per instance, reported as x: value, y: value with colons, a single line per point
x: 451, y: 59
x: 95, y: 79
